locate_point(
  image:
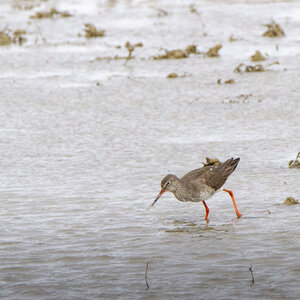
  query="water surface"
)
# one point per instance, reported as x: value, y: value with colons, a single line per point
x: 85, y: 143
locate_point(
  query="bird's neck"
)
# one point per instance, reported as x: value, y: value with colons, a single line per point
x: 181, y: 191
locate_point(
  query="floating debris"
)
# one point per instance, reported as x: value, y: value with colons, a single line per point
x: 53, y: 13
x: 214, y: 51
x: 191, y: 49
x: 91, y: 31
x: 290, y: 201
x: 257, y: 56
x: 172, y: 54
x: 295, y: 163
x: 274, y: 30
x: 211, y: 162
x: 172, y: 75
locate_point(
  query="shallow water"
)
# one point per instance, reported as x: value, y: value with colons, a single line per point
x: 85, y: 143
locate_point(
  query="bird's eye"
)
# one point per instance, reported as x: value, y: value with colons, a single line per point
x: 168, y: 183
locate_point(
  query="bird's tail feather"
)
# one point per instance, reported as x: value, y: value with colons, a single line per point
x: 229, y: 166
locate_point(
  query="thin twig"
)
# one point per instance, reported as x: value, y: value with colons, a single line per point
x: 146, y: 275
x: 251, y: 271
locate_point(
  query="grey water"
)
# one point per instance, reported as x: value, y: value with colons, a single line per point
x: 85, y: 140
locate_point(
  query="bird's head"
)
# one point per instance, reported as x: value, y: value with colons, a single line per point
x: 167, y: 185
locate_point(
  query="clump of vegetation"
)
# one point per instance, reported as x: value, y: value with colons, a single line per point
x: 52, y: 13
x: 191, y: 49
x: 172, y: 54
x: 290, y: 201
x: 249, y: 68
x: 178, y: 53
x: 17, y: 37
x: 257, y: 56
x: 5, y: 39
x: 91, y: 31
x: 295, y: 163
x: 229, y: 81
x: 130, y: 47
x: 211, y: 162
x: 274, y: 30
x: 255, y: 68
x: 214, y: 51
x: 172, y: 75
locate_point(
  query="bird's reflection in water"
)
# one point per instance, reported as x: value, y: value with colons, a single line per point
x: 204, y: 229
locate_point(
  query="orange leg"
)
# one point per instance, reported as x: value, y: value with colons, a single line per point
x: 236, y: 209
x: 207, y: 210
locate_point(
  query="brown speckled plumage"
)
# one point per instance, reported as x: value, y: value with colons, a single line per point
x: 200, y: 184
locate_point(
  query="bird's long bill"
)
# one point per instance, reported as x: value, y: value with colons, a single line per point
x: 158, y: 196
